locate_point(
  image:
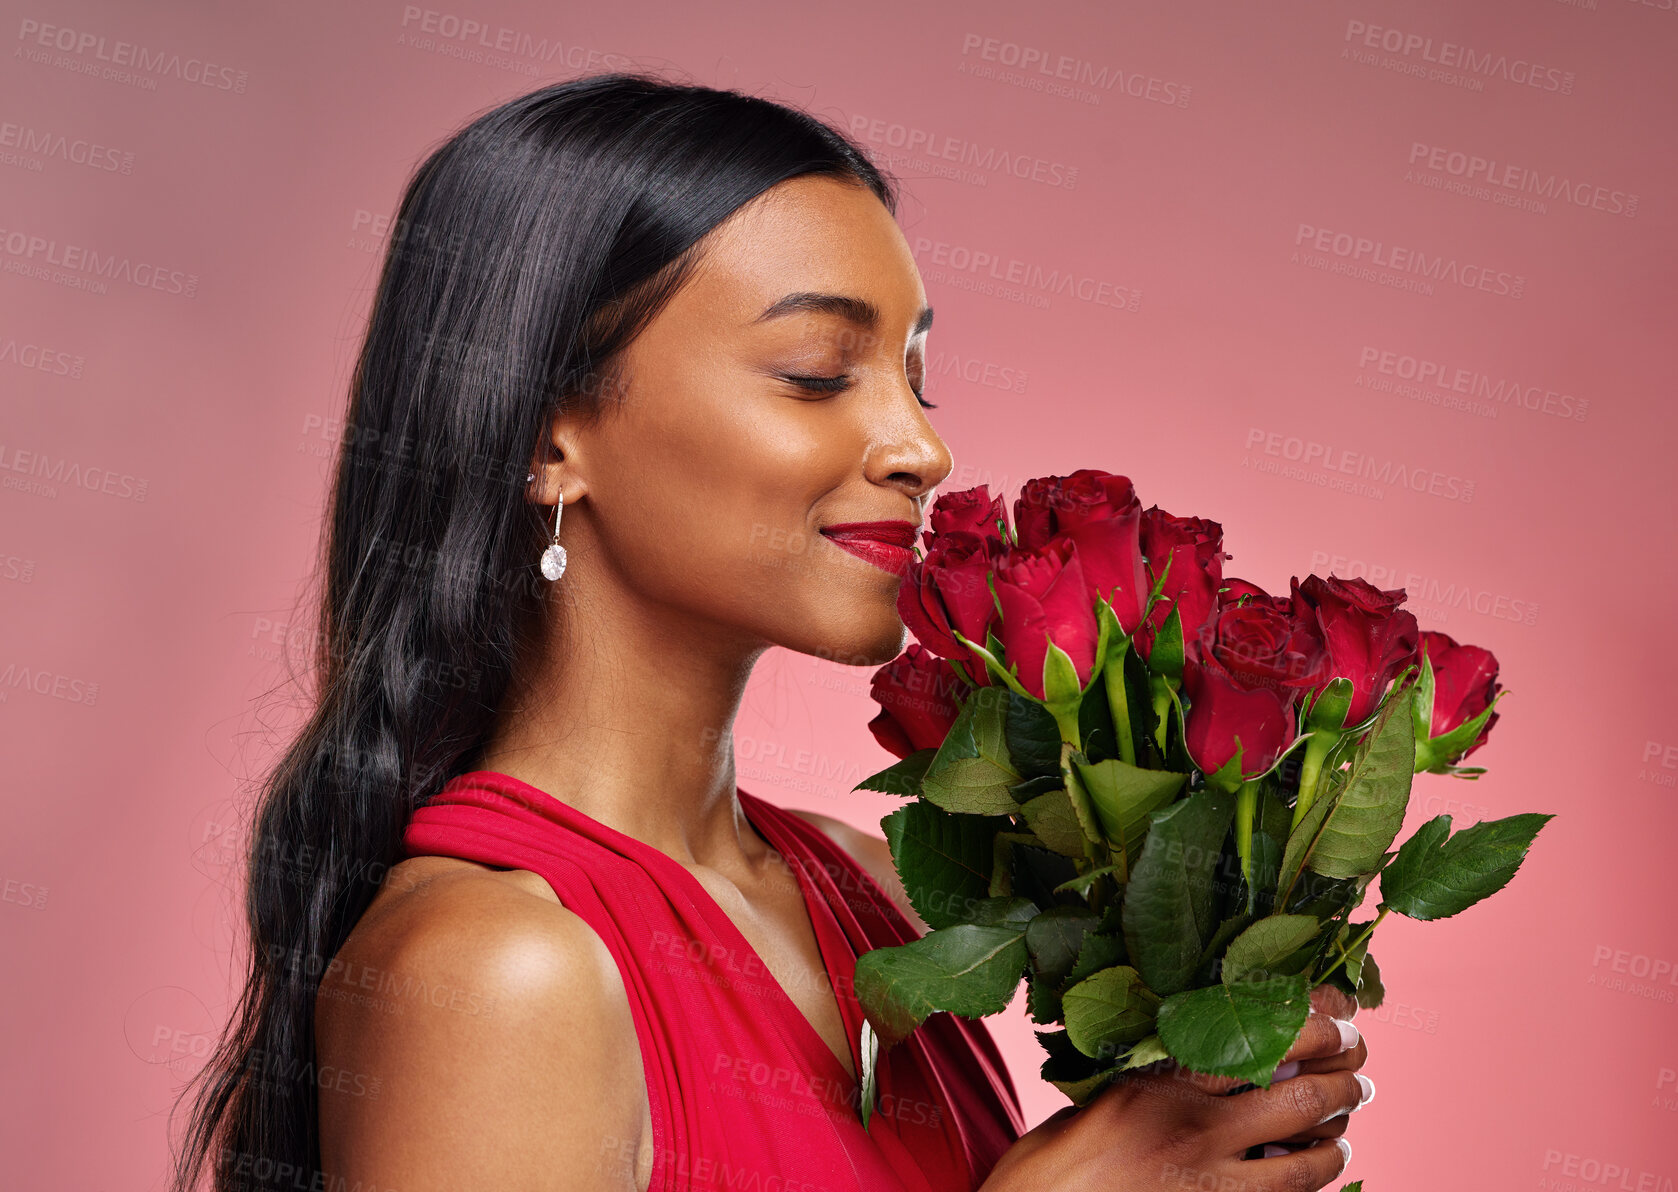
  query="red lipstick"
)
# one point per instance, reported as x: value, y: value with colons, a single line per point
x: 886, y: 544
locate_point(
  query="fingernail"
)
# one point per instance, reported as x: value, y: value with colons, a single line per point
x: 1368, y: 1087
x: 1271, y: 1150
x: 1284, y: 1071
x: 1348, y: 1034
x: 1345, y: 1147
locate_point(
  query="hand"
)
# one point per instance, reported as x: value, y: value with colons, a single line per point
x: 1332, y: 1000
x: 1167, y: 1125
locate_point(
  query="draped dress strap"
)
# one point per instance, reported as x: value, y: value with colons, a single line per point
x: 744, y: 1093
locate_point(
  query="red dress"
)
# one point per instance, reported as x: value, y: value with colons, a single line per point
x: 745, y: 1094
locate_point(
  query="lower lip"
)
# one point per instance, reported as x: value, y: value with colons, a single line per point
x: 885, y: 555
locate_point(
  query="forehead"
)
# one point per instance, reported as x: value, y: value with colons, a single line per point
x: 807, y: 233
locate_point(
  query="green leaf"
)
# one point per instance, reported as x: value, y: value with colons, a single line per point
x: 1168, y: 905
x: 1239, y: 1030
x: 1042, y: 1000
x: 1032, y: 737
x: 1371, y: 993
x: 903, y: 778
x: 1274, y: 816
x: 1089, y: 824
x: 1146, y: 1051
x: 1134, y: 679
x: 1009, y: 911
x: 1227, y: 777
x: 969, y: 969
x: 1354, y: 1186
x: 1166, y: 657
x: 1263, y: 948
x: 971, y: 772
x: 1037, y: 872
x: 1082, y: 1092
x: 1110, y: 1008
x: 1081, y: 884
x: 1421, y: 711
x: 1055, y: 937
x: 1095, y: 724
x: 1211, y: 957
x: 1347, y: 834
x: 944, y: 859
x: 1054, y: 820
x: 1002, y: 863
x: 1060, y: 678
x: 1098, y: 951
x: 1351, y: 962
x: 1267, y: 863
x: 1328, y: 709
x: 1436, y: 753
x: 1030, y: 788
x: 1125, y: 796
x: 1433, y: 878
x: 1070, y: 1070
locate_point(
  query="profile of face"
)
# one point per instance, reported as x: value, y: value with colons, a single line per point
x: 747, y: 423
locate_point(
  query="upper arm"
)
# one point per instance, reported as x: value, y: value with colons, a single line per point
x: 873, y: 854
x: 476, y: 1038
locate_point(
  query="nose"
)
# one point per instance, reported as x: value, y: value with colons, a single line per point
x: 910, y: 455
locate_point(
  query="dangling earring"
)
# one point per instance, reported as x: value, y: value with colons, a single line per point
x: 553, y: 559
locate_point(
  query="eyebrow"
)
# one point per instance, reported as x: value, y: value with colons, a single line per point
x: 856, y: 310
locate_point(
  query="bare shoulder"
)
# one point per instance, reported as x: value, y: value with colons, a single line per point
x: 872, y: 853
x: 442, y: 1023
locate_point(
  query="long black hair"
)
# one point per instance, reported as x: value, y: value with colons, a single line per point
x: 529, y: 249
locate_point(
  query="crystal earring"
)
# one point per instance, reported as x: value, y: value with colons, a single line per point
x: 553, y: 559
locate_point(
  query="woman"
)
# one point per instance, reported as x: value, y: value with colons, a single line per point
x: 676, y: 333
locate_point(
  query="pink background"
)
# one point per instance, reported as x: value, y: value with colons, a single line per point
x: 1117, y: 216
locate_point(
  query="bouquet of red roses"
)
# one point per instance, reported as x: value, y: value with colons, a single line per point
x: 1155, y: 793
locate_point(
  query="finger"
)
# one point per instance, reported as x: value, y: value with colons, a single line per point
x: 1322, y: 1035
x: 1287, y: 1107
x: 1349, y: 1060
x: 1314, y: 1166
x: 1333, y: 1128
x: 1323, y: 1038
x: 1332, y: 1000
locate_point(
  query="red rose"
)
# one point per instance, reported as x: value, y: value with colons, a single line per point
x: 1367, y: 638
x: 1261, y: 645
x: 1194, y: 548
x: 1234, y: 589
x: 1464, y: 683
x: 973, y: 510
x: 919, y: 697
x: 1044, y: 596
x: 1225, y: 714
x: 1268, y: 642
x: 947, y: 590
x: 1099, y: 511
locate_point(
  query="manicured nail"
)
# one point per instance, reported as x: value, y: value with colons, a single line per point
x: 1271, y: 1150
x: 1348, y: 1034
x: 1368, y: 1087
x: 1284, y: 1071
x: 1345, y: 1147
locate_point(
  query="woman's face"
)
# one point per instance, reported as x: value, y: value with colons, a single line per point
x: 708, y: 489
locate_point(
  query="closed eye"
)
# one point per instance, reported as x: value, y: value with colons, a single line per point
x: 842, y: 382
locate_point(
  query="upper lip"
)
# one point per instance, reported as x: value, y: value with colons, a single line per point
x: 897, y: 533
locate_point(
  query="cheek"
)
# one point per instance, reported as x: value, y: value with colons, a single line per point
x: 715, y: 508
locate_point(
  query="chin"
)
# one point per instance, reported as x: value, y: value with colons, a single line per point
x: 870, y: 644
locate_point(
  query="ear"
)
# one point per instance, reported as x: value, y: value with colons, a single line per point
x: 560, y: 463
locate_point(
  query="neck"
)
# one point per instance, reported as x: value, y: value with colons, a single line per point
x: 630, y: 720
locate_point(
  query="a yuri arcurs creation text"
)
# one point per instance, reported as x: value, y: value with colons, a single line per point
x: 1155, y: 793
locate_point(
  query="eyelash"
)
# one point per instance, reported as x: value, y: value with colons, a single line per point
x: 842, y: 381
